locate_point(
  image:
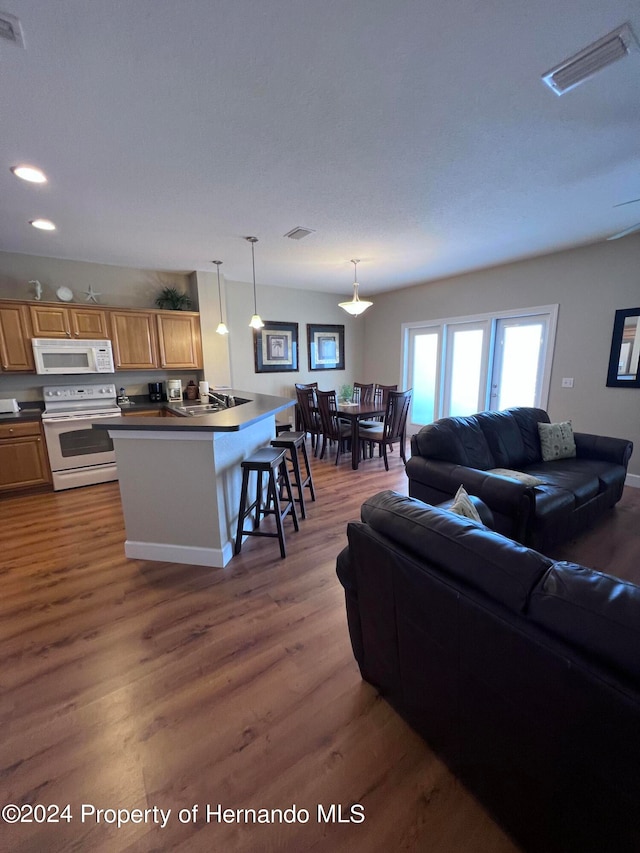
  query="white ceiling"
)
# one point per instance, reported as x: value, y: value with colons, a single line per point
x: 413, y: 134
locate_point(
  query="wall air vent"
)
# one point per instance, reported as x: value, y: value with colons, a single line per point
x: 299, y: 232
x: 575, y: 70
x: 11, y: 29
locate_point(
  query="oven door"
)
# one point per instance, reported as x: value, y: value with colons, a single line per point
x: 78, y: 454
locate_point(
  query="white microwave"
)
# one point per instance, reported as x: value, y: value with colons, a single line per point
x: 59, y: 355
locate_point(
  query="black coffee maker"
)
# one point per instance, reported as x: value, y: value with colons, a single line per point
x: 155, y: 392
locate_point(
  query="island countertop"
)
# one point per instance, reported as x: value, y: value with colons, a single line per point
x: 233, y: 419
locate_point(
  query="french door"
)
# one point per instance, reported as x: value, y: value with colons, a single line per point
x: 465, y: 365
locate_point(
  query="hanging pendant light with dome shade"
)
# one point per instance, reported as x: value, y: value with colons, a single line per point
x: 222, y: 329
x: 256, y: 319
x: 356, y: 305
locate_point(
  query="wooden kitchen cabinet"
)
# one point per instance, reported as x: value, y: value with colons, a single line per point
x: 67, y: 321
x: 142, y: 339
x: 16, y: 353
x: 141, y: 412
x: 179, y: 343
x: 134, y: 338
x: 23, y: 456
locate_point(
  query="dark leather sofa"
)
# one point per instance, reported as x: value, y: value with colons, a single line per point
x: 522, y: 673
x: 574, y: 492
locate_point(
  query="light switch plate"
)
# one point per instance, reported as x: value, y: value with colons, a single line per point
x: 567, y: 382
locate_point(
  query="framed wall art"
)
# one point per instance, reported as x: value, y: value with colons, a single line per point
x: 326, y: 347
x: 275, y: 347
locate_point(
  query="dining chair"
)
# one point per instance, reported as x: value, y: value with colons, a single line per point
x: 333, y: 429
x: 362, y: 393
x: 393, y: 428
x: 381, y: 393
x: 307, y: 412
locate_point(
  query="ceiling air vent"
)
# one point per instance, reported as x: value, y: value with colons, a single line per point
x: 575, y: 70
x: 299, y: 232
x: 11, y: 29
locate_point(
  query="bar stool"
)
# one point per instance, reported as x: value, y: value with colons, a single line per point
x: 293, y: 442
x: 269, y: 460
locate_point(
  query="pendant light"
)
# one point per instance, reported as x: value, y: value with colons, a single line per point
x: 356, y: 305
x: 222, y: 329
x: 256, y: 319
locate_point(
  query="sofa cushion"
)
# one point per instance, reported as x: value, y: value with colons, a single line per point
x: 592, y: 611
x: 556, y: 441
x: 457, y: 440
x: 499, y: 567
x: 528, y: 420
x: 504, y: 438
x: 578, y: 476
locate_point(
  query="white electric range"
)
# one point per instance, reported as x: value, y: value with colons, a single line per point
x: 78, y: 454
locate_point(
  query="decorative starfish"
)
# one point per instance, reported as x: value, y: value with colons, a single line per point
x: 91, y: 295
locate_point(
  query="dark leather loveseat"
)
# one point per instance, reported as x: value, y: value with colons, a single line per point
x: 573, y: 492
x: 522, y: 673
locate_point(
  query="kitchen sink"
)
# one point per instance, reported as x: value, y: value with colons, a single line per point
x: 199, y: 409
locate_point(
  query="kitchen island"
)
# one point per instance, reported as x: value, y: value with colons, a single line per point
x: 180, y: 477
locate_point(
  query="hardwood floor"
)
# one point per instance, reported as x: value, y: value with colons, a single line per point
x: 128, y: 684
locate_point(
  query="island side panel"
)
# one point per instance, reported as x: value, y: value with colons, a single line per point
x: 181, y: 490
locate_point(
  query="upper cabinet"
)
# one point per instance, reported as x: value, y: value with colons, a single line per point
x: 72, y: 321
x: 134, y: 338
x: 15, y: 338
x: 156, y: 339
x: 142, y: 339
x: 179, y: 343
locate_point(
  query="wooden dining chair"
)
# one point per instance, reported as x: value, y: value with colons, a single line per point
x: 308, y: 414
x: 362, y: 393
x: 333, y: 429
x: 393, y: 428
x: 381, y: 393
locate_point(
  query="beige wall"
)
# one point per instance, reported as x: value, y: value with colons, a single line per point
x: 123, y: 287
x: 301, y: 307
x: 588, y: 284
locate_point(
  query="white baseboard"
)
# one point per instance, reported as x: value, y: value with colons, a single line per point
x: 214, y: 557
x: 633, y: 480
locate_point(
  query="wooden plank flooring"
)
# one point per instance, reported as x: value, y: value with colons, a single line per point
x: 127, y: 684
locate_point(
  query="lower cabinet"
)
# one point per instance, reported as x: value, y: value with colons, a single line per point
x: 23, y: 456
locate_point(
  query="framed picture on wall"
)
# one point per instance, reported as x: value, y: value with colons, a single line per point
x: 275, y: 347
x: 326, y: 347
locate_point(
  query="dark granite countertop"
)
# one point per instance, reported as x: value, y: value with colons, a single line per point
x: 31, y: 411
x: 228, y: 420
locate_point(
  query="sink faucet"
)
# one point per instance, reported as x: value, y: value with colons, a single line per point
x: 222, y: 399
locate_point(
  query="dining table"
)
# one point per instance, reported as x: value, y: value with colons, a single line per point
x: 354, y: 413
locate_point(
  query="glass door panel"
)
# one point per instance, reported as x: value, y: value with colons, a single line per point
x: 423, y: 375
x: 465, y: 378
x: 518, y: 362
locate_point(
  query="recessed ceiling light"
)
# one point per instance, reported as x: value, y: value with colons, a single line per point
x: 29, y: 173
x: 43, y: 224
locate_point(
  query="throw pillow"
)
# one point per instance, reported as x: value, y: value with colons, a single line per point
x: 520, y: 476
x: 556, y: 441
x: 462, y: 505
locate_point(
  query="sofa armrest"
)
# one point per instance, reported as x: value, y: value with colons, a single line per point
x: 347, y: 577
x: 507, y: 498
x: 604, y: 448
